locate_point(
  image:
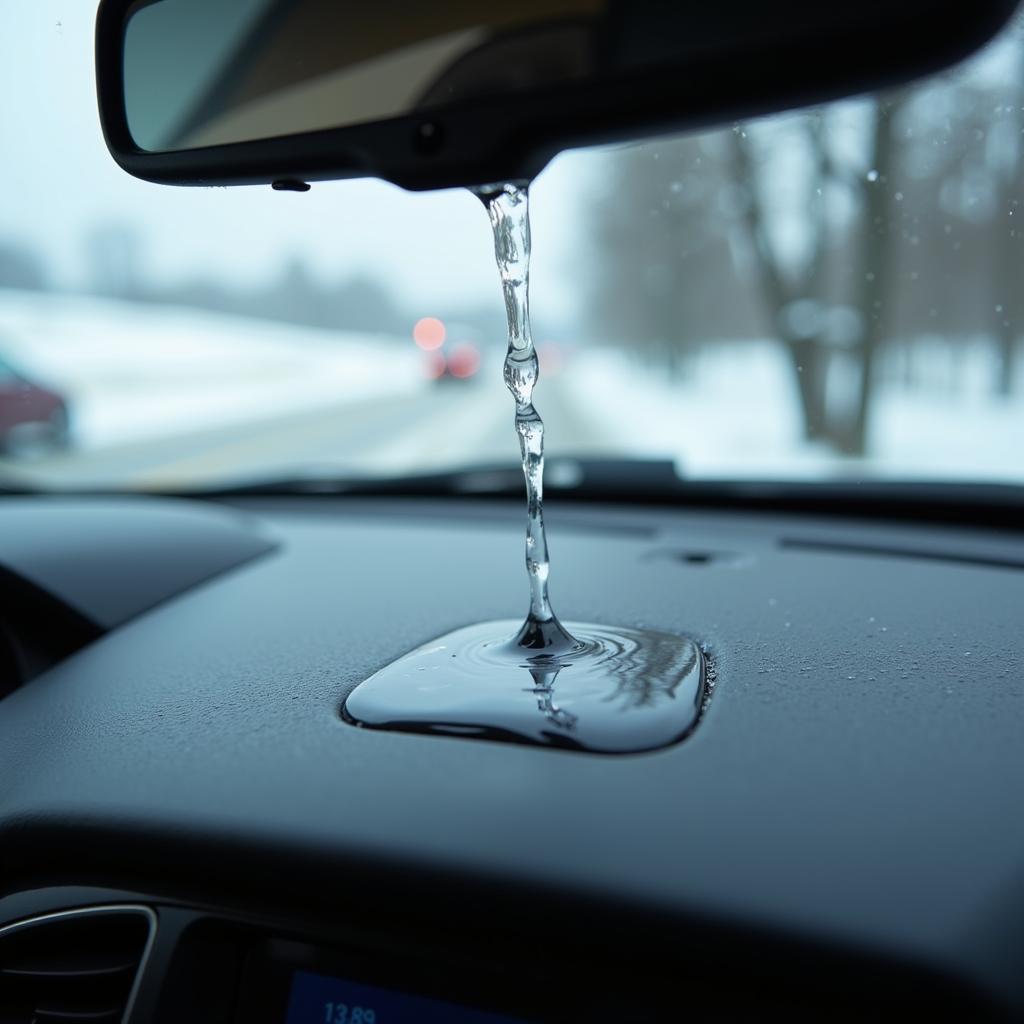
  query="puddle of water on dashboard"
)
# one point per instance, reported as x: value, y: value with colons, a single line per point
x: 585, y: 687
x: 618, y: 691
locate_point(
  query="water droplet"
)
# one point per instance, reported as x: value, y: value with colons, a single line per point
x: 872, y: 175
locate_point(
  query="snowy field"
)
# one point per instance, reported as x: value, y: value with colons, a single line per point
x: 135, y: 371
x: 164, y: 395
x: 736, y: 413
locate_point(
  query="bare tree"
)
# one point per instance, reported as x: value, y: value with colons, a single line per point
x: 1008, y: 248
x: 908, y: 215
x: 784, y: 287
x: 781, y: 287
x: 660, y: 276
x: 878, y: 245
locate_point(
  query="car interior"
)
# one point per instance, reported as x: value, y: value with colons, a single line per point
x: 274, y: 746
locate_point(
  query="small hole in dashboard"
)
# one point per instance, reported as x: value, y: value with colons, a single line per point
x: 696, y: 557
x: 701, y: 559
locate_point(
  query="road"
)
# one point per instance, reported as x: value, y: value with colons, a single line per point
x: 446, y: 424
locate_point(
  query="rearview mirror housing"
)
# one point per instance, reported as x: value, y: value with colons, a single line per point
x: 460, y: 93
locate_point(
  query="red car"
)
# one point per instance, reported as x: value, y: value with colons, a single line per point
x: 29, y: 412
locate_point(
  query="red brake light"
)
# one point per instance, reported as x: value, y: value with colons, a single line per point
x: 429, y: 333
x: 464, y: 361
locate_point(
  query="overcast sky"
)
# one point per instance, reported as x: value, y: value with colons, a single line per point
x: 57, y: 182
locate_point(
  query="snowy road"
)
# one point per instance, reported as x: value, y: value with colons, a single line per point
x: 442, y: 425
x: 165, y: 397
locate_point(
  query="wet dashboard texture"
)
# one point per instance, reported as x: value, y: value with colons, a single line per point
x: 844, y: 823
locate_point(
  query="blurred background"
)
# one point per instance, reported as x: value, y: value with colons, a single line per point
x: 836, y: 292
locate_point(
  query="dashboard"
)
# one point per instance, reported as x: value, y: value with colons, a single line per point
x: 841, y: 832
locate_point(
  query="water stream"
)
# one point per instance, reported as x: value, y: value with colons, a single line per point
x: 584, y: 686
x: 509, y: 212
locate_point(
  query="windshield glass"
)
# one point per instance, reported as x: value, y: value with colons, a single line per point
x: 836, y: 292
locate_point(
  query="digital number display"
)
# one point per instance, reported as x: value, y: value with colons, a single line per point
x: 317, y: 999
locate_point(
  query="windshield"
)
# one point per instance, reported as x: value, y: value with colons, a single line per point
x: 836, y: 292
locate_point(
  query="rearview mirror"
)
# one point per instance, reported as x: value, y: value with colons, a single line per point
x: 200, y: 92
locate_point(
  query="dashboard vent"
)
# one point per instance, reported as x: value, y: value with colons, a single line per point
x: 79, y: 965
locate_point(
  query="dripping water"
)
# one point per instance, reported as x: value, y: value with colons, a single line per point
x: 591, y: 688
x: 509, y: 212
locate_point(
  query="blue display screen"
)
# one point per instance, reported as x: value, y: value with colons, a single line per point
x: 316, y: 999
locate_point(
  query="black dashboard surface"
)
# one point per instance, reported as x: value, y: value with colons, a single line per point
x: 855, y: 782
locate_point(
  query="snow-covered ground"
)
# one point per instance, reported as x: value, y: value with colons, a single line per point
x: 135, y: 371
x: 737, y: 414
x: 166, y: 380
